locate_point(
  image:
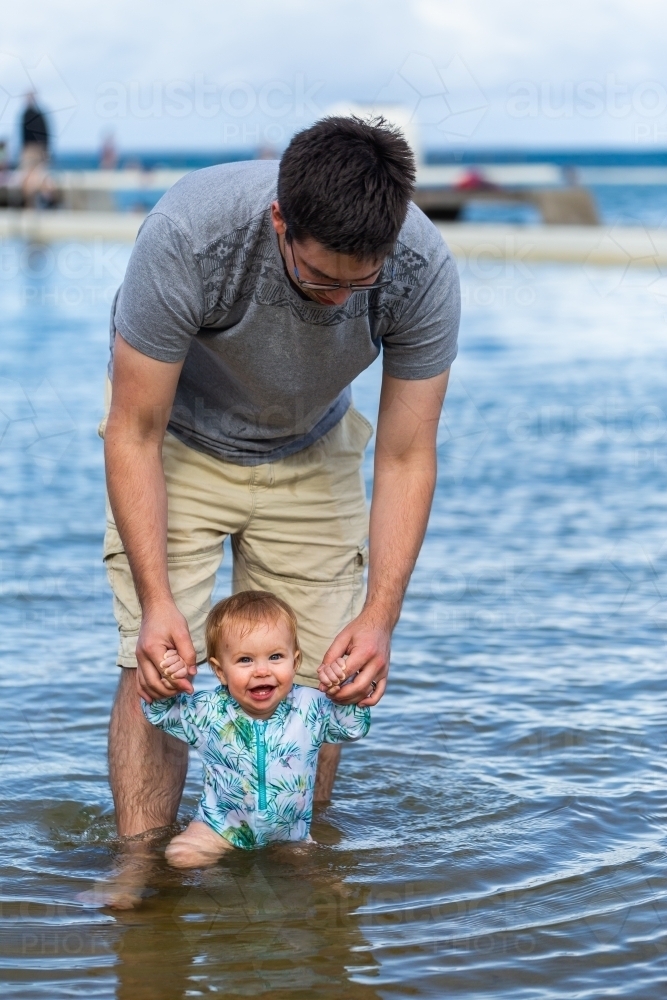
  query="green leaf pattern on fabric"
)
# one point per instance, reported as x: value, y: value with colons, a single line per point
x: 224, y: 735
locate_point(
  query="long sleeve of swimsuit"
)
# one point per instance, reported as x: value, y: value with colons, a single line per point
x: 346, y: 723
x: 184, y: 716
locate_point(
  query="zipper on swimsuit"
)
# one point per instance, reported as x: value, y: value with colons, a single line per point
x: 260, y: 737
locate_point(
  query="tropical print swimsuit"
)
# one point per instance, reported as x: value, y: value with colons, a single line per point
x: 259, y: 775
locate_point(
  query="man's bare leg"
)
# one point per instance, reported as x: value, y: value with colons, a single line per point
x: 147, y: 772
x: 147, y: 768
x: 327, y: 765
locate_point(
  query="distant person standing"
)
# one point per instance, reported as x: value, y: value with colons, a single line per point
x: 34, y: 134
x: 109, y: 153
x: 37, y: 187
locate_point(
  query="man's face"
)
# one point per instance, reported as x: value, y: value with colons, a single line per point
x: 315, y: 263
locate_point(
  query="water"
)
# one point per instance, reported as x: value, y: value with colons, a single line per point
x: 617, y: 205
x: 593, y: 156
x: 629, y: 156
x: 501, y: 833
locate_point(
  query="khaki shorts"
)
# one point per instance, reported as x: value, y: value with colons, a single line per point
x: 298, y: 527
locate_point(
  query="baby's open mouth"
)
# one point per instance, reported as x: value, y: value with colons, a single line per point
x: 262, y: 691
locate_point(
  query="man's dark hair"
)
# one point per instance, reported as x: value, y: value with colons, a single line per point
x: 347, y: 183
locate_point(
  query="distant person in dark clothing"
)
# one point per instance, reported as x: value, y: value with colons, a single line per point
x: 38, y: 189
x: 34, y: 129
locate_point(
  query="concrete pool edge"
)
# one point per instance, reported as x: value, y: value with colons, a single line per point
x: 480, y: 242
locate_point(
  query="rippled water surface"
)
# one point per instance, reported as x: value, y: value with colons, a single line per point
x: 501, y: 833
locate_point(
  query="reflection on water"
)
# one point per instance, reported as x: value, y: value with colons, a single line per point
x: 501, y: 833
x: 255, y: 924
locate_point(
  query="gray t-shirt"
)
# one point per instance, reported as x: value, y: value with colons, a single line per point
x: 267, y: 371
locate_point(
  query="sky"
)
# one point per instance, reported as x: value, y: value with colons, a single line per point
x: 202, y: 75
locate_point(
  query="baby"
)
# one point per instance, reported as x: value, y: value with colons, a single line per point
x: 258, y: 734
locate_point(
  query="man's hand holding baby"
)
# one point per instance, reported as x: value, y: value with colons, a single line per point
x: 163, y: 628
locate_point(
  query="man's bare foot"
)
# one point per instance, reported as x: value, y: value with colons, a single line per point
x: 115, y: 897
x: 125, y: 889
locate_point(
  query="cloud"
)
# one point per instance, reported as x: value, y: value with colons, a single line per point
x: 350, y: 49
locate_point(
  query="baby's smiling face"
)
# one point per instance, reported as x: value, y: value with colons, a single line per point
x: 257, y: 666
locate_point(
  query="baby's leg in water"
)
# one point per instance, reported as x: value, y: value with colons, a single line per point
x: 197, y: 847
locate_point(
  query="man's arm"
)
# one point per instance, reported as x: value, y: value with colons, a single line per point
x: 143, y: 394
x: 403, y: 485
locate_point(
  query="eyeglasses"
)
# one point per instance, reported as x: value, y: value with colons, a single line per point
x: 334, y: 286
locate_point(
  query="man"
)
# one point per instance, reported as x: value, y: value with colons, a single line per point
x: 34, y: 129
x: 37, y: 189
x: 252, y: 299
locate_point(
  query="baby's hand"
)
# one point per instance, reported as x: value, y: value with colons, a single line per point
x: 332, y: 675
x: 172, y: 667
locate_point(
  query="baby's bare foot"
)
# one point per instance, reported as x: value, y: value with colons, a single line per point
x: 197, y: 847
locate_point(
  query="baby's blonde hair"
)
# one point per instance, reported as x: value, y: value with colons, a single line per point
x: 249, y: 609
